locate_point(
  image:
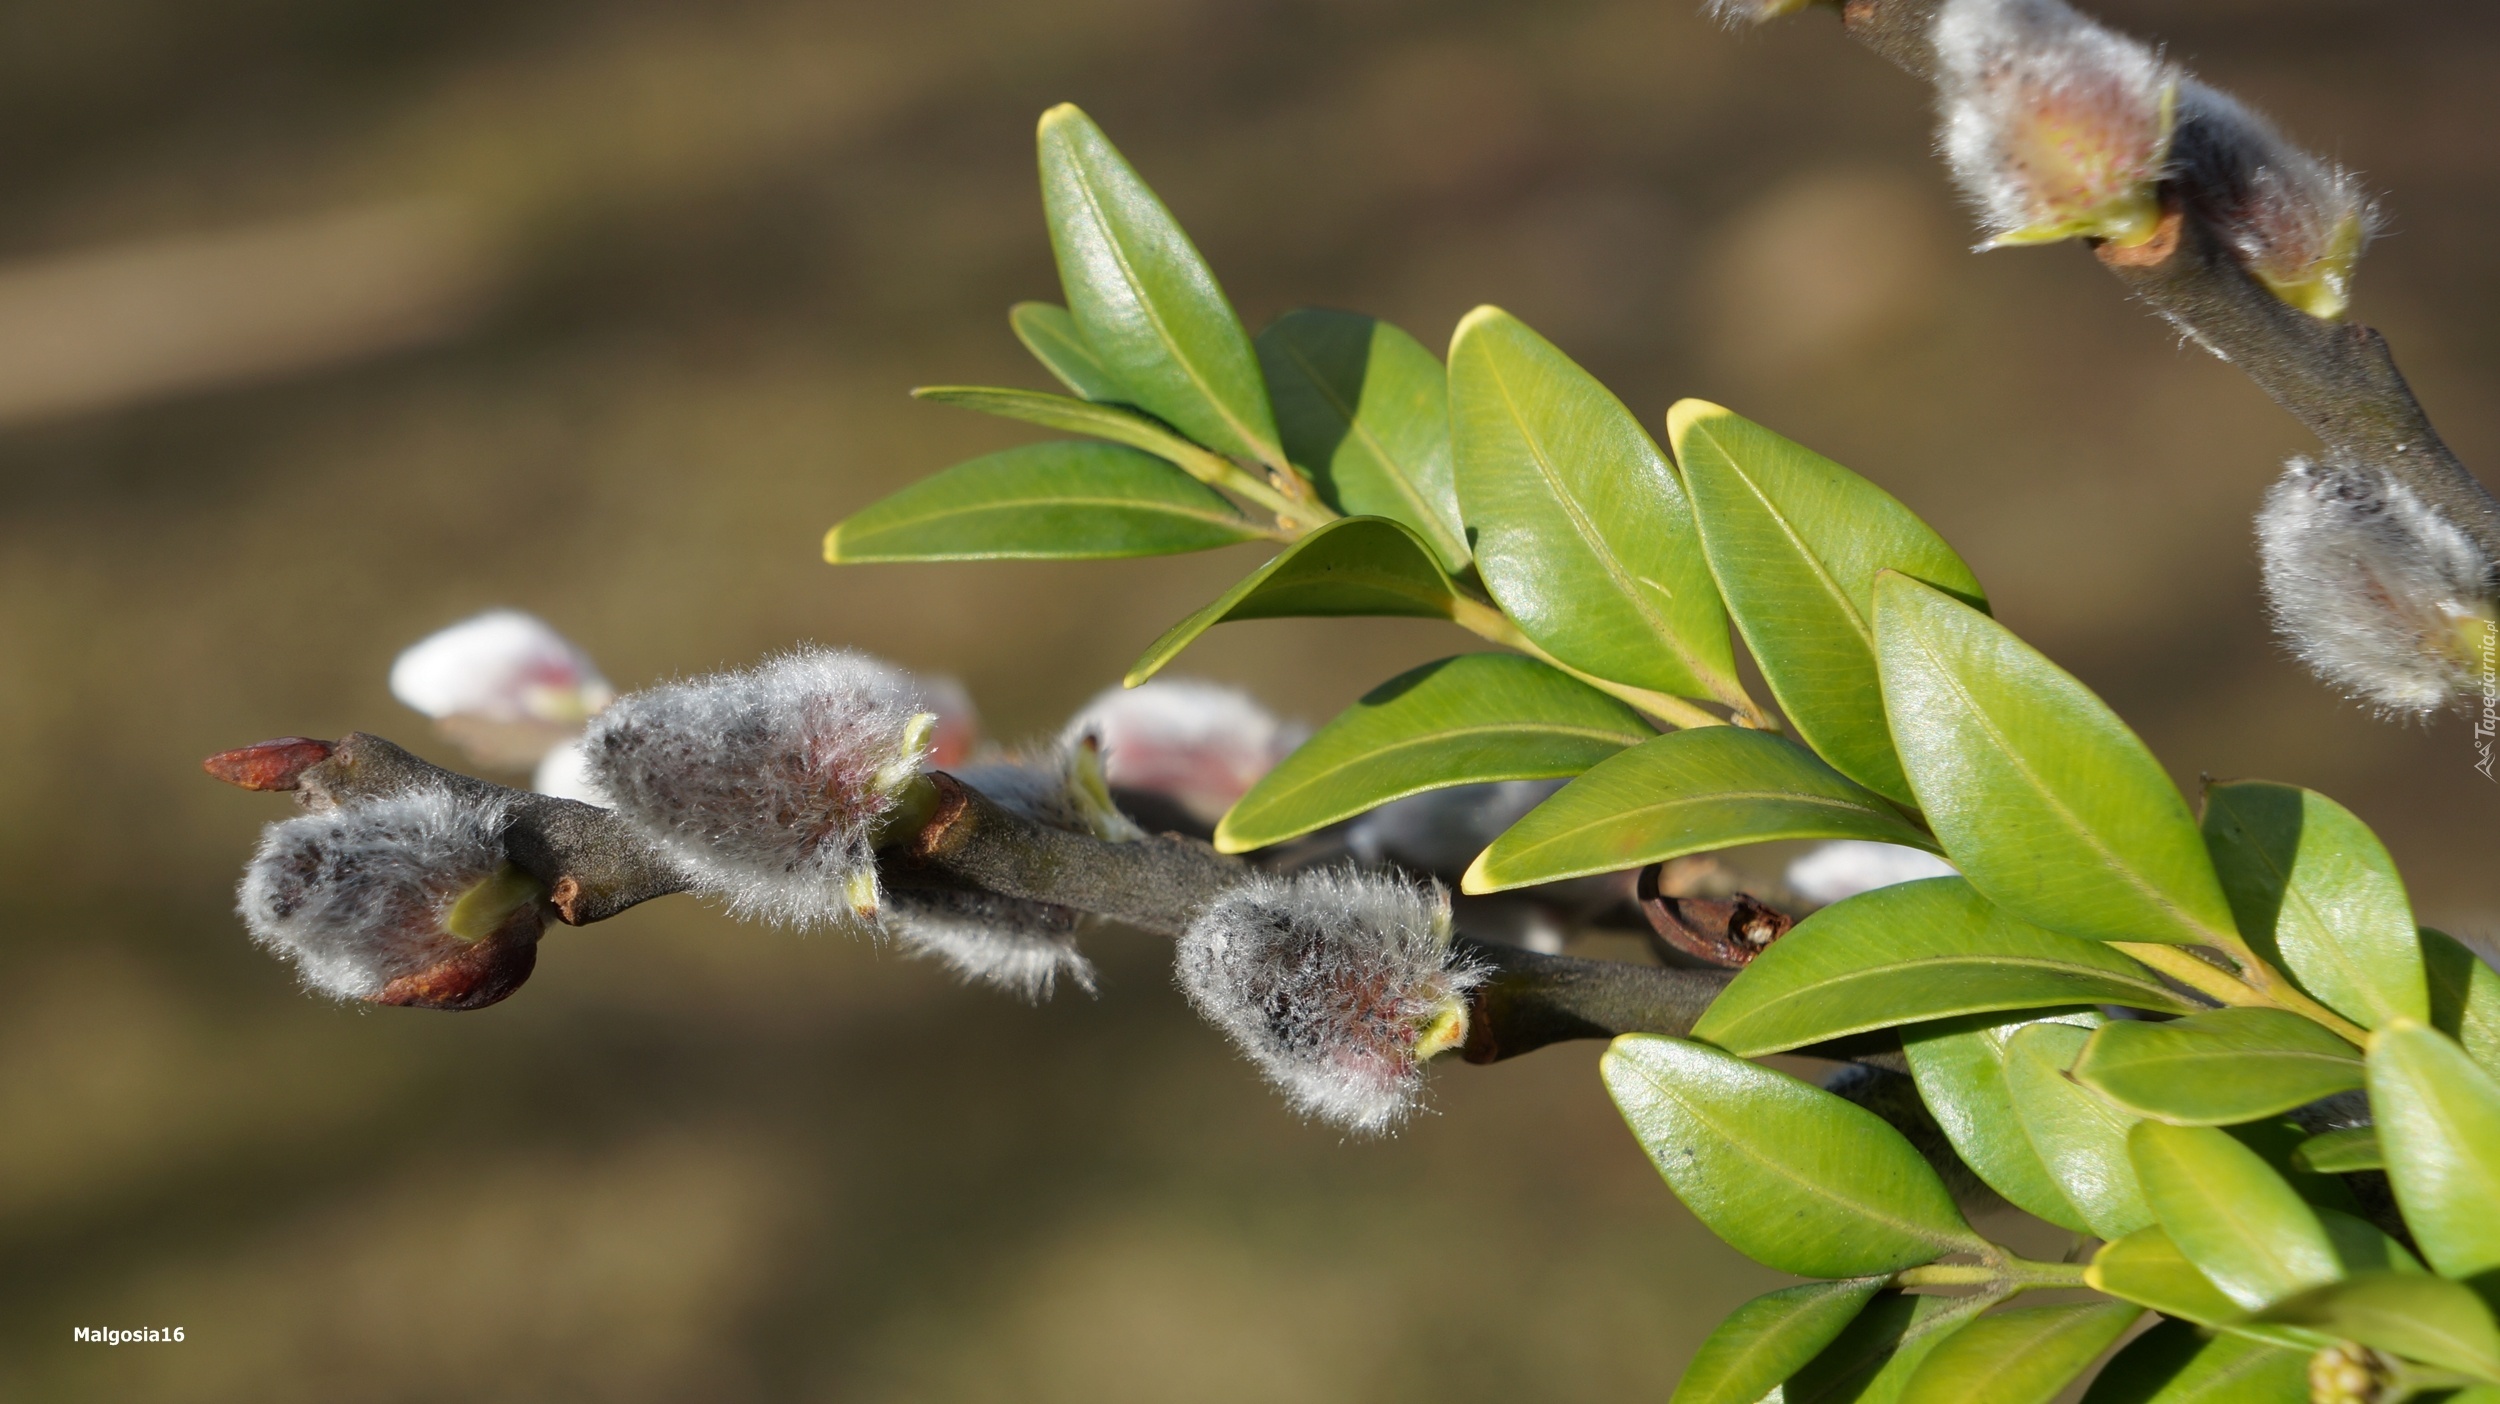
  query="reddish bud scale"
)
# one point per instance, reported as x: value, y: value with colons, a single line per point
x: 268, y: 765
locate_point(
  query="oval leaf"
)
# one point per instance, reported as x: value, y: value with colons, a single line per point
x: 1914, y: 951
x: 1120, y: 426
x: 1795, y: 542
x: 2411, y: 1314
x: 1959, y: 1065
x: 2080, y: 1138
x: 2147, y: 1268
x: 1581, y: 530
x: 1364, y: 411
x: 2438, y: 1117
x: 1050, y: 334
x: 2174, y: 1363
x: 1353, y: 565
x: 1044, y: 502
x: 2218, y: 1068
x: 1790, y: 1175
x: 1461, y: 721
x: 1686, y: 792
x: 2465, y: 995
x: 1143, y: 298
x: 2043, y: 798
x: 2232, y: 1216
x: 1875, y: 1358
x: 2313, y: 889
x: 1770, y: 1338
x: 2340, y: 1152
x: 2019, y: 1357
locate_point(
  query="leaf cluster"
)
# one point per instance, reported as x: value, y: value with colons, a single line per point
x: 2111, y: 1012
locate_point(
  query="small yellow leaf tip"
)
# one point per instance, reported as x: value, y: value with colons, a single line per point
x: 1478, y: 317
x: 833, y: 546
x: 1064, y: 112
x: 1685, y: 413
x: 1476, y: 882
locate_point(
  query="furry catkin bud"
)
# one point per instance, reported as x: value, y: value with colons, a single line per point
x: 1202, y: 745
x: 401, y: 900
x: 504, y: 686
x: 2055, y: 127
x: 2299, y: 224
x: 1846, y: 867
x: 1339, y: 984
x: 1025, y: 948
x: 2373, y: 588
x: 768, y: 786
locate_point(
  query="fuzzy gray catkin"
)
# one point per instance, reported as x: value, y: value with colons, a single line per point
x: 767, y: 786
x: 362, y: 896
x: 2373, y: 588
x: 1024, y: 948
x: 2298, y: 223
x: 1338, y: 984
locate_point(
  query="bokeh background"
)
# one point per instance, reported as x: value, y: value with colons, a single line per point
x: 324, y: 323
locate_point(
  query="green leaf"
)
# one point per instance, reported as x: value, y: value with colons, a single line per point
x: 1351, y: 566
x: 1364, y: 411
x: 1055, y: 501
x: 1050, y: 334
x: 1795, y: 541
x: 2314, y: 890
x: 2079, y: 1137
x: 2043, y: 798
x: 2231, y: 1214
x: 1144, y: 300
x: 2174, y: 1363
x: 2341, y: 1152
x: 2219, y: 1067
x: 1119, y: 425
x: 2465, y: 995
x: 1769, y: 1338
x: 1790, y: 1175
x: 2362, y: 1246
x: 1875, y: 1358
x: 1914, y: 951
x: 1686, y: 792
x: 2147, y: 1268
x: 1960, y: 1068
x: 2414, y: 1315
x: 2438, y: 1117
x: 1460, y: 721
x: 1582, y: 531
x: 2019, y: 1357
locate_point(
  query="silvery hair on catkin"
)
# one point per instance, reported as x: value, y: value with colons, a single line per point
x: 1024, y: 948
x: 358, y: 897
x: 2370, y: 584
x: 1324, y: 979
x: 766, y: 785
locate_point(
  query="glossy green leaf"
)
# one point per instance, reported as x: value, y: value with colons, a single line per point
x: 2415, y: 1315
x: 2314, y: 891
x: 1770, y: 1338
x: 1873, y: 1361
x: 1914, y: 951
x: 1364, y: 411
x: 1460, y: 721
x: 2174, y: 1363
x: 1582, y: 531
x: 2362, y: 1246
x: 1351, y: 566
x: 1050, y: 334
x: 1795, y: 542
x: 1960, y: 1068
x: 1113, y: 422
x: 2219, y: 1067
x: 2275, y: 1139
x: 2147, y: 1268
x: 2043, y: 798
x: 1145, y: 301
x: 2025, y: 1356
x: 2341, y: 1152
x: 1790, y: 1175
x: 2438, y: 1117
x: 1054, y: 501
x: 2233, y: 1217
x: 2081, y: 1138
x: 2465, y: 996
x: 1686, y: 792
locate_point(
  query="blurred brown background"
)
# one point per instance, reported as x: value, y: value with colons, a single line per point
x: 326, y: 322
